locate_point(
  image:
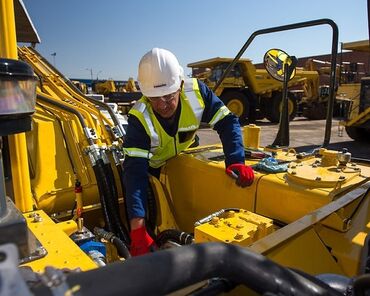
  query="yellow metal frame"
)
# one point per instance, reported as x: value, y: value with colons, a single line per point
x: 312, y: 210
x: 17, y: 143
x: 62, y: 252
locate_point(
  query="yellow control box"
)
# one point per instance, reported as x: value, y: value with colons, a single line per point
x: 241, y: 228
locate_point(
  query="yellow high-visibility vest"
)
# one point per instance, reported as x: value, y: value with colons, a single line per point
x: 163, y: 146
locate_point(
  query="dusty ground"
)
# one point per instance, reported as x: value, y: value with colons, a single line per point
x: 304, y: 134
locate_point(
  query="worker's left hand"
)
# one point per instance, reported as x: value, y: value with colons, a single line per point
x: 141, y: 242
x: 242, y: 173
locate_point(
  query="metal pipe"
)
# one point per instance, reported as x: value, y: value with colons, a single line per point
x: 69, y: 110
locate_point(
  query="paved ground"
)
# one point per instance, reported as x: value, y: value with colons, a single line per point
x: 304, y: 134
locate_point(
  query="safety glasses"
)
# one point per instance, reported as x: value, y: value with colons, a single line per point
x: 167, y: 98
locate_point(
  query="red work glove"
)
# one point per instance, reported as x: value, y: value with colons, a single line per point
x: 141, y: 242
x: 242, y: 173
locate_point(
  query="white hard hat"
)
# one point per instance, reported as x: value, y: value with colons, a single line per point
x: 160, y: 73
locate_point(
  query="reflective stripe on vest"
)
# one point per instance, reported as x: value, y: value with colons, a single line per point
x: 191, y: 89
x: 139, y: 109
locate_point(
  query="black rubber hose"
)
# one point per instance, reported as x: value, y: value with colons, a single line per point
x: 104, y: 206
x: 361, y: 285
x: 119, y: 244
x: 215, y: 287
x: 108, y: 194
x: 151, y: 220
x: 121, y: 247
x: 120, y: 172
x: 121, y: 229
x: 109, y: 173
x: 163, y: 272
x: 175, y: 235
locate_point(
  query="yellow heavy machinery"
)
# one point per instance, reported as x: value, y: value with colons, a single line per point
x: 353, y: 93
x: 81, y: 86
x: 125, y: 96
x: 252, y: 93
x: 109, y: 86
x: 104, y: 88
x: 300, y: 229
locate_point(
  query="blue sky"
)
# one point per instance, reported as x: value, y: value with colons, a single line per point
x: 110, y: 36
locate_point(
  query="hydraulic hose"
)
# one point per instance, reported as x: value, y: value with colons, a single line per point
x: 151, y: 209
x: 105, y: 180
x: 121, y: 229
x: 119, y: 244
x: 175, y: 235
x: 102, y: 194
x: 177, y: 268
x: 361, y: 285
x: 109, y: 173
x: 121, y: 247
x: 107, y: 197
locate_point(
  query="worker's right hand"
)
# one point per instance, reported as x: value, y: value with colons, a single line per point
x: 242, y: 173
x: 141, y: 242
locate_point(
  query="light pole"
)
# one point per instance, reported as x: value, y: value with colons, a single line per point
x: 97, y: 75
x: 54, y: 54
x: 91, y: 83
x: 91, y: 73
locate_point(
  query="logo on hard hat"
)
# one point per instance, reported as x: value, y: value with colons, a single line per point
x: 160, y: 85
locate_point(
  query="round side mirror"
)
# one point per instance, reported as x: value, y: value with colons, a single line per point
x: 274, y: 61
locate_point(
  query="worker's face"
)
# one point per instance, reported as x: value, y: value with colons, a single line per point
x: 166, y: 105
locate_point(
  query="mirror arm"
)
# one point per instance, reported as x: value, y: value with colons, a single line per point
x: 334, y: 50
x: 282, y: 137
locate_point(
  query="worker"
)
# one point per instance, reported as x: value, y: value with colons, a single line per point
x: 162, y: 124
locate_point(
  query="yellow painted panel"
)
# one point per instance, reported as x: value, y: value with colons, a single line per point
x: 165, y: 217
x: 286, y: 201
x: 347, y: 246
x: 306, y: 252
x: 62, y: 251
x: 68, y: 227
x: 198, y: 189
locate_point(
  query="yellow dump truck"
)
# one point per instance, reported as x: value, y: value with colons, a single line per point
x: 249, y: 92
x: 300, y: 229
x: 354, y: 96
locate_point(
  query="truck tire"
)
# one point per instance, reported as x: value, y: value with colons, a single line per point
x: 315, y: 111
x: 358, y: 133
x: 237, y: 102
x: 273, y: 110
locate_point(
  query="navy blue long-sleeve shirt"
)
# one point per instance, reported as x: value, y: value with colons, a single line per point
x: 136, y: 168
